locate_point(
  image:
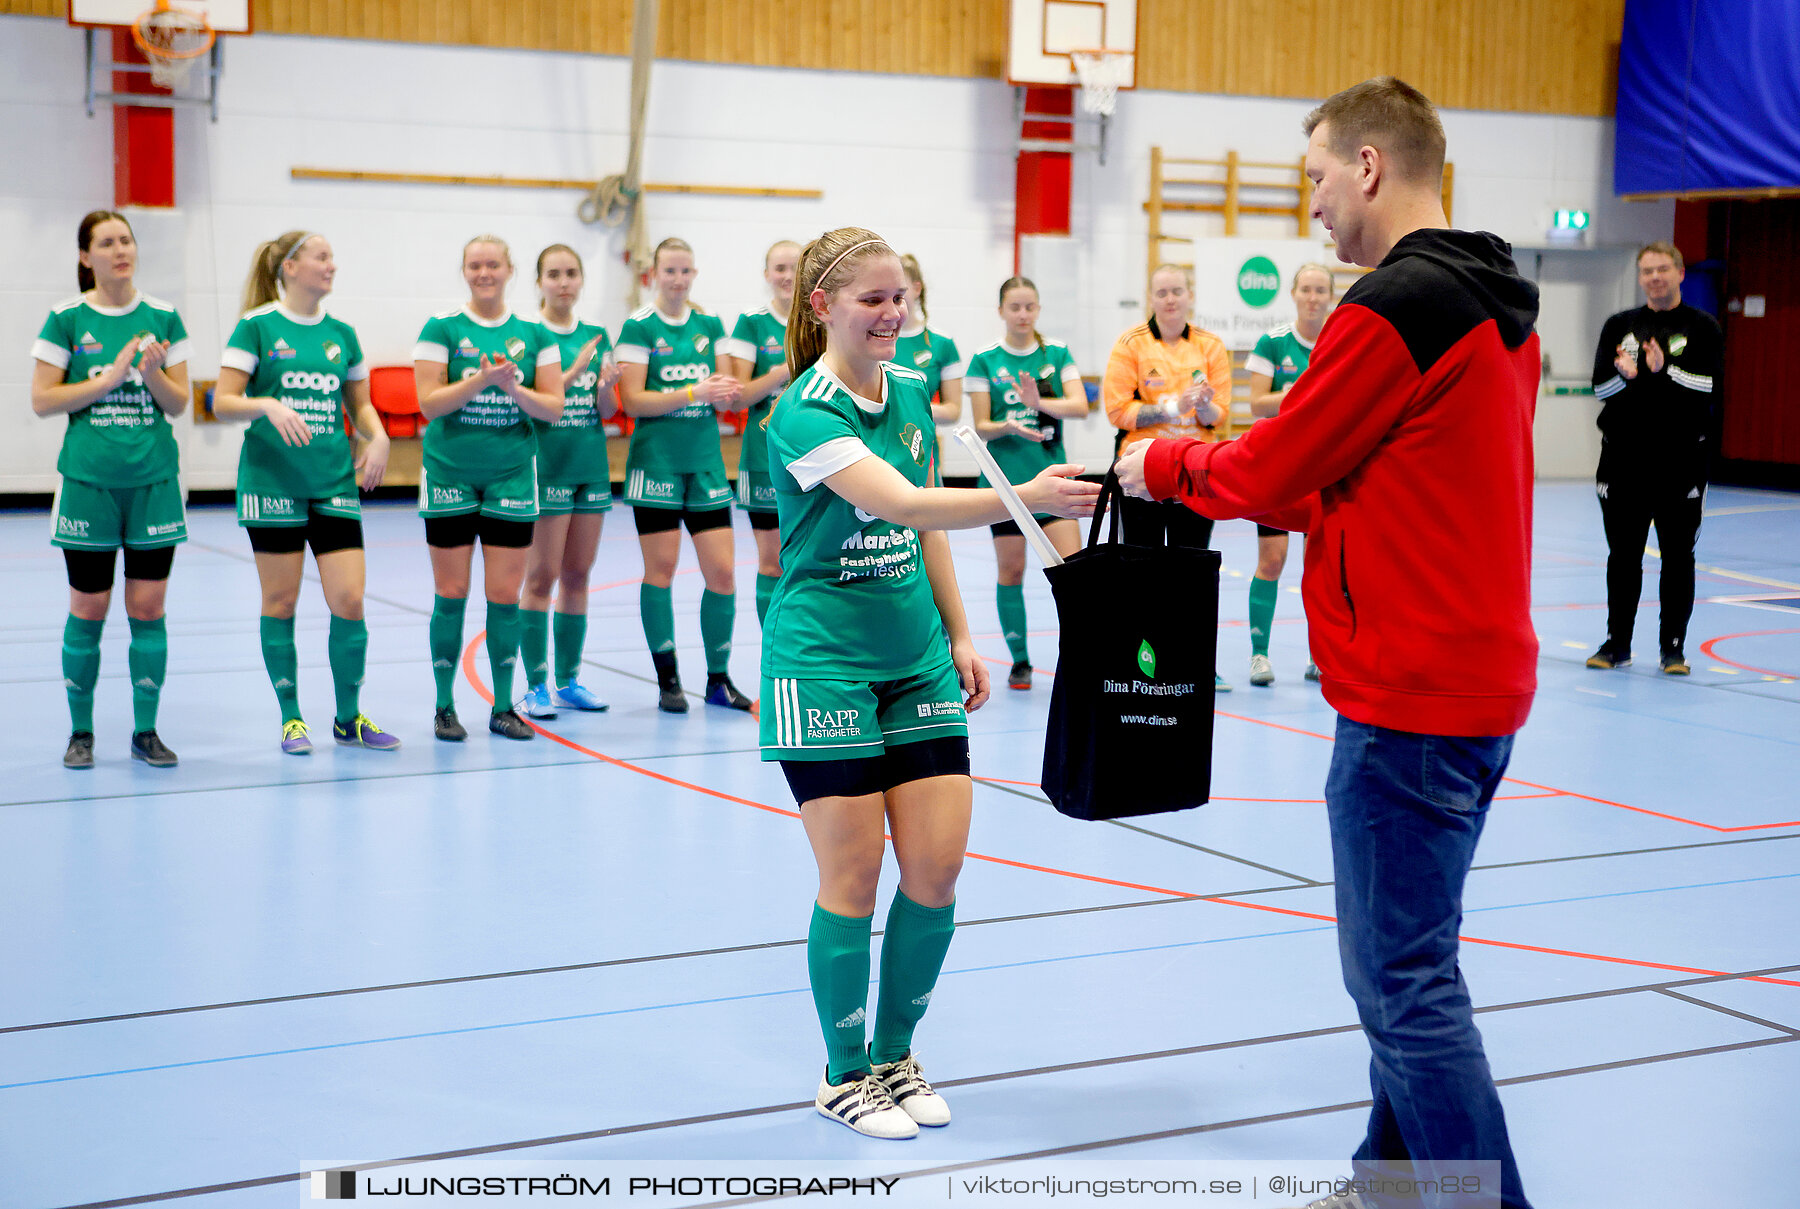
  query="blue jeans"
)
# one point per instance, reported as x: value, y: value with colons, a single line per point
x: 1406, y: 811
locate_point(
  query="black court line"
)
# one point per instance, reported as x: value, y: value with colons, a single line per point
x: 1077, y: 1148
x: 453, y: 980
x: 1723, y: 1010
x: 1215, y: 852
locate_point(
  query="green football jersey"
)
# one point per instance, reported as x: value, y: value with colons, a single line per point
x: 995, y: 371
x: 1281, y: 354
x: 930, y: 353
x: 572, y: 451
x: 760, y: 337
x: 675, y: 355
x: 304, y: 363
x: 488, y: 437
x: 854, y: 602
x: 122, y: 439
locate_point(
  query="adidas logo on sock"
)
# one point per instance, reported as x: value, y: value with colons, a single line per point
x: 667, y: 646
x: 923, y: 1000
x: 284, y: 682
x: 145, y: 682
x: 853, y: 1020
x: 438, y: 663
x: 70, y: 685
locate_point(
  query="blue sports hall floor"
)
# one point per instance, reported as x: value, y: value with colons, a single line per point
x: 591, y: 946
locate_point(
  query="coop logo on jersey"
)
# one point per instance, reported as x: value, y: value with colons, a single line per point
x: 297, y: 379
x: 693, y: 370
x: 1258, y: 281
x: 87, y: 344
x: 283, y: 351
x: 1676, y: 344
x: 333, y: 352
x: 914, y: 440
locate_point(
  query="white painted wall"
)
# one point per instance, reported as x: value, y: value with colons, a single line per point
x: 927, y: 162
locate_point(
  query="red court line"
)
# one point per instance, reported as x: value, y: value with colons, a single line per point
x: 474, y: 678
x: 1706, y: 648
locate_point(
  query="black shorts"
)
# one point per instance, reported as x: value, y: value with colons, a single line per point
x: 1011, y: 528
x: 666, y: 520
x: 451, y: 532
x: 91, y: 571
x: 809, y: 779
x: 1270, y: 531
x: 759, y: 520
x: 325, y: 534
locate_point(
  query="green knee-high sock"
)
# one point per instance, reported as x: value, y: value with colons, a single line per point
x: 571, y: 636
x: 446, y: 645
x: 837, y: 958
x: 283, y: 663
x: 1263, y: 593
x: 81, y: 668
x: 534, y: 645
x: 148, y: 659
x: 348, y: 648
x: 718, y: 613
x: 912, y: 953
x: 503, y: 650
x: 765, y: 592
x: 1012, y: 620
x: 656, y: 607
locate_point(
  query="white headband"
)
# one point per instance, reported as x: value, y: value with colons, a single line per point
x: 867, y: 243
x: 297, y: 245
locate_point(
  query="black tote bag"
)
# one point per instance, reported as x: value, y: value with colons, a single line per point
x: 1131, y: 710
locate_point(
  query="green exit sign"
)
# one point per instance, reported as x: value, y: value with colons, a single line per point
x: 1572, y: 220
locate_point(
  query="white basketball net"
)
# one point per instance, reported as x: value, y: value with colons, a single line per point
x: 174, y: 41
x: 1101, y: 73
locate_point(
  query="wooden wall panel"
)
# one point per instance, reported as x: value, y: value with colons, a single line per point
x: 1536, y: 56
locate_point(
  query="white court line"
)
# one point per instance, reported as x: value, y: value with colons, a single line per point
x: 1751, y: 508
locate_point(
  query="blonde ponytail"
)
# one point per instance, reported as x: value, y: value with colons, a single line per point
x: 263, y: 285
x: 825, y: 264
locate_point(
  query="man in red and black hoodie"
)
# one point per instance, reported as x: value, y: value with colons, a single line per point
x: 1404, y: 454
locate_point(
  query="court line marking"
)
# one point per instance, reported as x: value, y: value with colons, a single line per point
x: 472, y: 673
x: 1210, y: 1047
x: 1706, y: 648
x: 1723, y: 1010
x: 643, y: 959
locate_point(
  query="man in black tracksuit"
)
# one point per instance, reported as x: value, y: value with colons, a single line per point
x: 1656, y: 375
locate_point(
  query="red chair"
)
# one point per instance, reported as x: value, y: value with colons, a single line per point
x: 396, y: 400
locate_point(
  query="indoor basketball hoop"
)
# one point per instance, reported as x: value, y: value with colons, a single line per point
x: 1101, y: 73
x: 172, y: 40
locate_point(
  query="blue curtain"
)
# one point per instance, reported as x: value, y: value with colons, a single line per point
x: 1709, y: 96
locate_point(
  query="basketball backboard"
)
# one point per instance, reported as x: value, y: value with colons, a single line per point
x: 1041, y: 34
x: 225, y: 16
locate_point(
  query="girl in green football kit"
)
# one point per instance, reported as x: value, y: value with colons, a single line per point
x: 868, y: 668
x: 295, y: 372
x: 114, y: 361
x: 483, y: 375
x: 1020, y: 392
x: 756, y: 354
x: 673, y: 386
x: 574, y: 493
x: 924, y: 348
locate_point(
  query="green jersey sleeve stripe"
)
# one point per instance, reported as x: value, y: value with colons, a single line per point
x: 743, y: 350
x: 357, y: 372
x: 239, y: 358
x: 837, y: 454
x: 50, y: 354
x: 981, y: 384
x: 632, y: 354
x: 178, y: 352
x: 1256, y: 363
x: 425, y: 350
x: 951, y: 372
x: 549, y: 355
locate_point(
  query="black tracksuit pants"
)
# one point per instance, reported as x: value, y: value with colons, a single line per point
x: 1629, y: 505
